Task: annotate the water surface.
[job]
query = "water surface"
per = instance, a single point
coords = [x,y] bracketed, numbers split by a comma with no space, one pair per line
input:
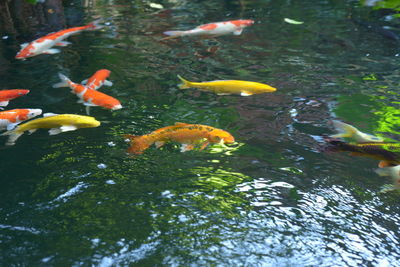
[272,199]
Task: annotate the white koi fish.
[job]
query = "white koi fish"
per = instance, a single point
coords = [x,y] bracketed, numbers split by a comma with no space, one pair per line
[214,29]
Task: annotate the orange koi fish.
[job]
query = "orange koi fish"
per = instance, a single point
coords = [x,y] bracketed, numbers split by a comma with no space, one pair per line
[189,135]
[44,44]
[89,97]
[10,118]
[7,95]
[98,79]
[214,29]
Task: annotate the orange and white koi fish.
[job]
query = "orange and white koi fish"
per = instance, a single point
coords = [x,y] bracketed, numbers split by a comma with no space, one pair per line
[11,118]
[44,44]
[214,29]
[98,79]
[7,95]
[227,87]
[89,97]
[189,135]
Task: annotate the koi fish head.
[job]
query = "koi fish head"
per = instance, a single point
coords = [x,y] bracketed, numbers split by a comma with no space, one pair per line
[27,50]
[33,112]
[217,135]
[243,22]
[86,122]
[103,73]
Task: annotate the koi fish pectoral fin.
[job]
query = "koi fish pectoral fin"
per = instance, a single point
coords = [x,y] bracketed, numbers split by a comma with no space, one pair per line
[68,128]
[32,131]
[238,32]
[3,103]
[187,147]
[51,51]
[108,83]
[204,145]
[159,144]
[84,81]
[55,131]
[86,103]
[244,93]
[63,43]
[11,126]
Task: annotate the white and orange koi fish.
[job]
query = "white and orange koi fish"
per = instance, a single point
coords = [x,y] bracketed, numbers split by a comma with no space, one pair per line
[89,97]
[214,29]
[44,44]
[11,118]
[98,79]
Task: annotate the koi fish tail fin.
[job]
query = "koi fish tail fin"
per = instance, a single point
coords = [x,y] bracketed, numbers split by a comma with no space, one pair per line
[173,34]
[64,81]
[13,136]
[95,25]
[138,144]
[185,83]
[344,129]
[383,171]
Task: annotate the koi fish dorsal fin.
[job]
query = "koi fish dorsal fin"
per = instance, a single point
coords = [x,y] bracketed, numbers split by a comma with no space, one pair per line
[181,124]
[45,115]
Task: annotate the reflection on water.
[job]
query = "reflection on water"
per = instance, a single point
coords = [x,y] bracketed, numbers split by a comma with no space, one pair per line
[271,199]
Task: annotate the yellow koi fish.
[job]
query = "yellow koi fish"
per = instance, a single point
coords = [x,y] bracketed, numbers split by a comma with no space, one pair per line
[56,123]
[227,87]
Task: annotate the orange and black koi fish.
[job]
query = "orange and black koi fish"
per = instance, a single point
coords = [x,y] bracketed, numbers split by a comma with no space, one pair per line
[387,153]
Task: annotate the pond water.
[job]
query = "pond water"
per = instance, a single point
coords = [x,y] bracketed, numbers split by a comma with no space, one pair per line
[271,199]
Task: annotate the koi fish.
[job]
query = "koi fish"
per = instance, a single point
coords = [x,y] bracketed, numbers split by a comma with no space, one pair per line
[394,173]
[7,95]
[189,135]
[98,79]
[346,130]
[56,123]
[214,29]
[11,118]
[44,44]
[387,153]
[227,87]
[89,97]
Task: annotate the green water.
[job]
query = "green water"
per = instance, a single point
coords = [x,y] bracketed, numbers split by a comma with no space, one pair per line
[271,199]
